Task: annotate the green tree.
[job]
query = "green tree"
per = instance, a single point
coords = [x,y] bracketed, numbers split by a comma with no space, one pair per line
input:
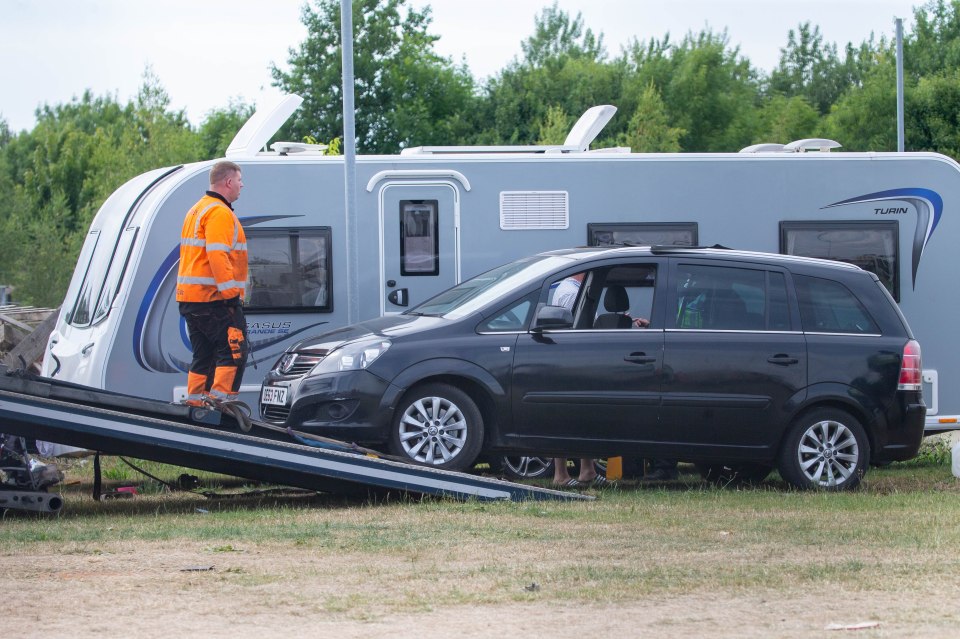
[563,67]
[556,37]
[405,94]
[813,70]
[554,127]
[932,114]
[219,127]
[58,174]
[865,118]
[649,130]
[934,45]
[711,93]
[782,119]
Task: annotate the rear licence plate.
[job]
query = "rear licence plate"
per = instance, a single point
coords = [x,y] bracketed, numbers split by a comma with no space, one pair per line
[274,395]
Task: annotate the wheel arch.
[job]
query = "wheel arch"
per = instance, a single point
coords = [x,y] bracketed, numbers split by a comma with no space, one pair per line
[482,387]
[794,456]
[838,397]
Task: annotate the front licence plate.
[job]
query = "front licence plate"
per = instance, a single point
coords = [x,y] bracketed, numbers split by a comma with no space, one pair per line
[274,395]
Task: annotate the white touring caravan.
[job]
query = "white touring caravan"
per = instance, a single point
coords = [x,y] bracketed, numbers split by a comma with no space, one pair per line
[432,216]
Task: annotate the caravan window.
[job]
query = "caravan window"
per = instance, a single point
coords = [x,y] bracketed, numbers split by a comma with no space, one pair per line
[118,265]
[102,278]
[289,270]
[419,238]
[79,315]
[643,234]
[871,245]
[106,252]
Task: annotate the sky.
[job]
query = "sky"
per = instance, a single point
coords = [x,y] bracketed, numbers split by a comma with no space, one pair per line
[207,52]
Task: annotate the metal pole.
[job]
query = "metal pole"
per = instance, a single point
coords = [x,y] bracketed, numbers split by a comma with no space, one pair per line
[350,163]
[899,22]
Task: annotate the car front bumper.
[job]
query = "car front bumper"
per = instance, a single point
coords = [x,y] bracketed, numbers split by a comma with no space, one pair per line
[346,405]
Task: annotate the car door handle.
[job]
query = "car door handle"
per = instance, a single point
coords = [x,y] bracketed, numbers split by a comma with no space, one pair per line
[639,358]
[783,360]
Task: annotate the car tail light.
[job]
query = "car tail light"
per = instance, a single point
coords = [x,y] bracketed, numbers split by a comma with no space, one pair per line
[911,370]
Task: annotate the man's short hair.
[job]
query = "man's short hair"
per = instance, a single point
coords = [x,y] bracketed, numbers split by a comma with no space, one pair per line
[222,170]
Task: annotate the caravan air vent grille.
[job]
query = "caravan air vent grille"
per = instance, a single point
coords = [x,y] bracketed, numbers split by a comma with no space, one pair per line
[534,210]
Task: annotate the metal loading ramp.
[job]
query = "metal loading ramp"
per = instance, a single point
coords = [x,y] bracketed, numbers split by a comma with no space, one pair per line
[115,424]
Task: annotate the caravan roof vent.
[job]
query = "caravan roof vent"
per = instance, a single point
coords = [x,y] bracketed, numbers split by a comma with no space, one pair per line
[261,126]
[765,147]
[534,210]
[286,148]
[586,129]
[811,144]
[589,125]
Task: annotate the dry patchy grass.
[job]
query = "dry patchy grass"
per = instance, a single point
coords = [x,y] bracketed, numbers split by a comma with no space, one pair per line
[684,560]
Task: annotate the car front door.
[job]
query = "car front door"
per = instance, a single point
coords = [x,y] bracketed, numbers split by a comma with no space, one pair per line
[735,359]
[593,387]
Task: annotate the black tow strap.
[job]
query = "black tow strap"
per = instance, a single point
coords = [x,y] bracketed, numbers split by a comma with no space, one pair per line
[96,476]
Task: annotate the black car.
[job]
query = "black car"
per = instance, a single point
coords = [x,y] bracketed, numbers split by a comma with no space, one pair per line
[747,361]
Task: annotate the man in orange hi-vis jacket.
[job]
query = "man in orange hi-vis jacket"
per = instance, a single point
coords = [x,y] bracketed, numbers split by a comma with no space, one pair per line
[211,284]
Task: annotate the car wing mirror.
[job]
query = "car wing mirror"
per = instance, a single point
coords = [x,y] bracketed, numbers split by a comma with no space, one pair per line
[552,317]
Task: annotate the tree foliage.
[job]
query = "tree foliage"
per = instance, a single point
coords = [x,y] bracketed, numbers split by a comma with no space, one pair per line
[556,38]
[563,67]
[813,70]
[404,91]
[220,126]
[57,175]
[649,130]
[688,95]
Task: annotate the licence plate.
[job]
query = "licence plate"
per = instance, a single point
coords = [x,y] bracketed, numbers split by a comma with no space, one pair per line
[274,395]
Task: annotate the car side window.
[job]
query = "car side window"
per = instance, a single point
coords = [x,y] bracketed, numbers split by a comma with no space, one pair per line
[827,306]
[608,298]
[515,317]
[730,298]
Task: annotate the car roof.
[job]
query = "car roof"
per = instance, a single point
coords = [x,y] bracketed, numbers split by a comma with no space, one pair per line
[593,252]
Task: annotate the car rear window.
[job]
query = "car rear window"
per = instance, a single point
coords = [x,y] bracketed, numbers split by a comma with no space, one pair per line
[827,306]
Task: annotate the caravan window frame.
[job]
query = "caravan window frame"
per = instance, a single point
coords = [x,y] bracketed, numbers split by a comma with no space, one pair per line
[411,258]
[859,226]
[594,228]
[77,286]
[107,251]
[296,275]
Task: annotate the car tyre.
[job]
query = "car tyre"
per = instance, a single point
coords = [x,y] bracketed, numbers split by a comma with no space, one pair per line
[513,467]
[437,425]
[826,448]
[735,474]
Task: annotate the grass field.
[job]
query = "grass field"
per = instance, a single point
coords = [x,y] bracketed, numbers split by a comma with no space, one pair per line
[680,558]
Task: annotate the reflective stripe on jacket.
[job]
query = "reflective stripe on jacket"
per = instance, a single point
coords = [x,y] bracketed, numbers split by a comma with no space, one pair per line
[213,254]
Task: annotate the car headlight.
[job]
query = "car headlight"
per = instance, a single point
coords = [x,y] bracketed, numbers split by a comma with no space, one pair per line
[352,357]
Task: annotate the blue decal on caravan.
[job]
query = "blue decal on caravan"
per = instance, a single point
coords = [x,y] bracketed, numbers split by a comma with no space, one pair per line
[148,328]
[929,206]
[146,342]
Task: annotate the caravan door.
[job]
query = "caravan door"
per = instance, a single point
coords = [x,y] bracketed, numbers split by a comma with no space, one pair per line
[419,243]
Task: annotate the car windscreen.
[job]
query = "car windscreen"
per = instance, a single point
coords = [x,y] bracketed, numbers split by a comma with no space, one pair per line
[467,297]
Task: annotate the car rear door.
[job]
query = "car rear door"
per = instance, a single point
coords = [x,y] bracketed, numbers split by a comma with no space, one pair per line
[735,358]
